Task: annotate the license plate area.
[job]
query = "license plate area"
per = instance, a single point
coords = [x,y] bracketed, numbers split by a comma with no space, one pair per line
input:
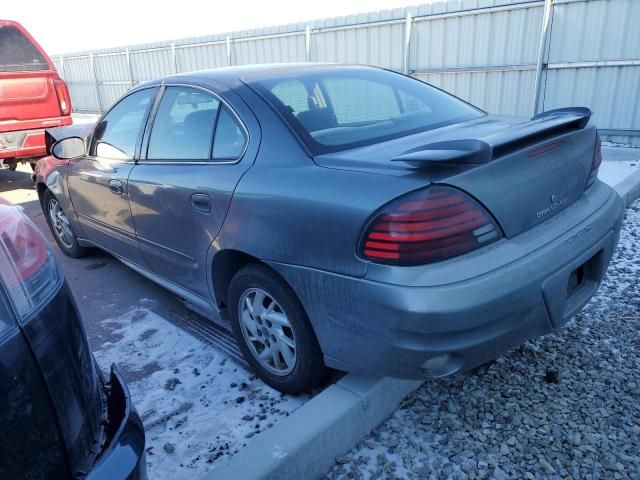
[568,290]
[576,280]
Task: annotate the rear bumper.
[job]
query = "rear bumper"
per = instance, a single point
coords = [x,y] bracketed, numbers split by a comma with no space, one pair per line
[394,329]
[23,144]
[124,455]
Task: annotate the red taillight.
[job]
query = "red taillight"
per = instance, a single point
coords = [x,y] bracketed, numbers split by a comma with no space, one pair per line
[24,246]
[597,161]
[27,268]
[64,100]
[428,226]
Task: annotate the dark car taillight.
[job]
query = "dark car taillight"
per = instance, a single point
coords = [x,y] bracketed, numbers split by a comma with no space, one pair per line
[597,161]
[27,267]
[428,226]
[64,100]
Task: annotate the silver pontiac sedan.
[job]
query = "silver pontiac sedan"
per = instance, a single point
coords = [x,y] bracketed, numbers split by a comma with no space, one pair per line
[342,217]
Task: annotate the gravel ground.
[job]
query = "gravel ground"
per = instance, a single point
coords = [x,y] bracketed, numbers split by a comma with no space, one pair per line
[566,406]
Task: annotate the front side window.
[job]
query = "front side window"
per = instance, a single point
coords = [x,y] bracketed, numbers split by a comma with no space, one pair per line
[184,125]
[349,107]
[17,53]
[116,135]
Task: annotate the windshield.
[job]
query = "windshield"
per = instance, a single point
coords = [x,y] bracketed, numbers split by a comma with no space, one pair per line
[337,108]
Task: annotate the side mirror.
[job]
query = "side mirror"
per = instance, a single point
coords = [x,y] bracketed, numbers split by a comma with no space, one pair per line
[68,148]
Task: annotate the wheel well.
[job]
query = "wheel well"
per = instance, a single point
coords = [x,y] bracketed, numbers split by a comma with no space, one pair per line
[225,265]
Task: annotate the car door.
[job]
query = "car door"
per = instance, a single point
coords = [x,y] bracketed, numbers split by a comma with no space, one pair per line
[97,182]
[193,157]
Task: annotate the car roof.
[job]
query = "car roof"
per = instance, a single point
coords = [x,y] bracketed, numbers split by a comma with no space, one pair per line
[232,75]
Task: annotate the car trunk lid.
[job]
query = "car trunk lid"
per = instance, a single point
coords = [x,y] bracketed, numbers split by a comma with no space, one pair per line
[522,172]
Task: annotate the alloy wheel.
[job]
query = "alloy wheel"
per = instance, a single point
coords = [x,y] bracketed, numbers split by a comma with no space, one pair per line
[267,331]
[60,223]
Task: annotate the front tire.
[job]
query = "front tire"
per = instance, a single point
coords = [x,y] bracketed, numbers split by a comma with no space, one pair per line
[273,331]
[61,227]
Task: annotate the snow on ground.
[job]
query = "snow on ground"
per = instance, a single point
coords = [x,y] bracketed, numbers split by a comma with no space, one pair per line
[612,173]
[618,163]
[562,407]
[197,405]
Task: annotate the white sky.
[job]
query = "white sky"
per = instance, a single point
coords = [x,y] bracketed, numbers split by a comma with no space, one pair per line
[65,26]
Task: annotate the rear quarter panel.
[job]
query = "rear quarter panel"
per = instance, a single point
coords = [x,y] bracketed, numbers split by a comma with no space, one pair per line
[288,209]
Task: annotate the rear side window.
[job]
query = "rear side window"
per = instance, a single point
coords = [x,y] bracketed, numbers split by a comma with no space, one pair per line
[117,133]
[183,125]
[229,140]
[17,53]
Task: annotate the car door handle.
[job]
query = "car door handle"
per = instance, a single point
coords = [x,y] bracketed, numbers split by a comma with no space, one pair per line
[115,186]
[201,202]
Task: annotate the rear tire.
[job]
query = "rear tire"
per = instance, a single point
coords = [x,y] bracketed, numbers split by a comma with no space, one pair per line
[60,227]
[273,331]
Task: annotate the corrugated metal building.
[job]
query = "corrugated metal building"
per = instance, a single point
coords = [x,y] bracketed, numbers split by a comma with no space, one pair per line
[506,56]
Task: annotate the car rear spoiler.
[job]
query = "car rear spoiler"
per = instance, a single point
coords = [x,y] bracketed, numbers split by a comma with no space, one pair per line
[52,135]
[478,151]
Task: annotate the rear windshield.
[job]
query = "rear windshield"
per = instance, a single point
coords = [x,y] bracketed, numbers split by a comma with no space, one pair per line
[17,53]
[337,108]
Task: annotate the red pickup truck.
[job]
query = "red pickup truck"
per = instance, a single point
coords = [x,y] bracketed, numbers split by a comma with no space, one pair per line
[32,96]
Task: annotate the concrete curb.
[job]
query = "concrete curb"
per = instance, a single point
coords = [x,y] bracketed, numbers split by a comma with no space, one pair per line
[629,188]
[329,425]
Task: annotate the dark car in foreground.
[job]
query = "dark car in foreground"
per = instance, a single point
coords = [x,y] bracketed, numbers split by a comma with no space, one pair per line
[32,96]
[342,216]
[60,419]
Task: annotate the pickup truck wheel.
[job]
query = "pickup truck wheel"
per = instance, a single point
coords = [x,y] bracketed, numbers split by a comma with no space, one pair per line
[273,331]
[61,227]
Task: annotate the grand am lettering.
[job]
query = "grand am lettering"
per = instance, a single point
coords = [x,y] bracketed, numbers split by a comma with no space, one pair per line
[554,206]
